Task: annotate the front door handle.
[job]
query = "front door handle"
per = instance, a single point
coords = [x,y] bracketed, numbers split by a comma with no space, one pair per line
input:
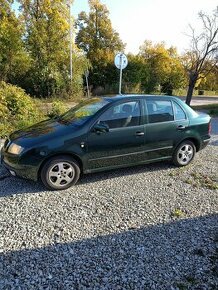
[139,133]
[181,127]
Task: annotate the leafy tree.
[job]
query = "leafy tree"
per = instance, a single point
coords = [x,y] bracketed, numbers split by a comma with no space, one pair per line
[210,81]
[203,54]
[163,67]
[47,40]
[14,61]
[99,41]
[135,74]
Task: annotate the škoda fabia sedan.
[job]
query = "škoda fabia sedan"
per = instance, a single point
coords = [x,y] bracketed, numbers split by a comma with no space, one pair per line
[106,133]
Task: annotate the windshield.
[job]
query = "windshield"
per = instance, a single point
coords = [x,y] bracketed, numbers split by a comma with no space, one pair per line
[83,111]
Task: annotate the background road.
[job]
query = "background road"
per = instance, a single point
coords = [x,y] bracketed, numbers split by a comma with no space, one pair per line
[148,227]
[202,100]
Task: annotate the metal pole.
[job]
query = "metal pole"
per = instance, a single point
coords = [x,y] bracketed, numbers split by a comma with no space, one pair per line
[71,46]
[87,84]
[121,70]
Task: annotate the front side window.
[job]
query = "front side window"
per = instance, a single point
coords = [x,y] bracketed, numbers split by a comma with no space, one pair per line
[159,111]
[178,112]
[122,115]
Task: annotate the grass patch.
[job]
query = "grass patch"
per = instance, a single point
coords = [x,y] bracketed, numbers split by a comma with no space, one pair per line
[202,180]
[206,107]
[212,109]
[213,112]
[178,171]
[177,213]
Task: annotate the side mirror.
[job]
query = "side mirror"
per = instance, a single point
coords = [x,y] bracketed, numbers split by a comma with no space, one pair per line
[101,128]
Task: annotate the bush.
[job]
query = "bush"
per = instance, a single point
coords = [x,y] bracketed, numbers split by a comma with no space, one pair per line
[17,109]
[57,109]
[200,92]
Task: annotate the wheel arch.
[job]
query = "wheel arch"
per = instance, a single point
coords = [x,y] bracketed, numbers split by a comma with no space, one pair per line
[72,155]
[194,140]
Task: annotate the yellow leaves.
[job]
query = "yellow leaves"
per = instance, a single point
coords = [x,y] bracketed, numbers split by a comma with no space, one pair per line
[162,60]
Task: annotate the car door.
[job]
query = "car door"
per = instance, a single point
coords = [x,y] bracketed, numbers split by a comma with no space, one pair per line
[166,126]
[123,143]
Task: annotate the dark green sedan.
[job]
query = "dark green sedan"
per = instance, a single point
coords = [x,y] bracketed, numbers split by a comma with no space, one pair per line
[106,133]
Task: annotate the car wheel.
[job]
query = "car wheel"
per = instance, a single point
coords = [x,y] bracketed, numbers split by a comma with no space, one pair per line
[60,173]
[184,153]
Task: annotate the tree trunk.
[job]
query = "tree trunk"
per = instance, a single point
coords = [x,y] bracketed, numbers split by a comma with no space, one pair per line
[189,93]
[192,81]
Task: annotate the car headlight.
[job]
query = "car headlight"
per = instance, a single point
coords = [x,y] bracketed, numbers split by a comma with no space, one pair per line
[15,149]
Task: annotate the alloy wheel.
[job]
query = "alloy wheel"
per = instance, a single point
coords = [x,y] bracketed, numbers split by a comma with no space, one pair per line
[185,154]
[61,174]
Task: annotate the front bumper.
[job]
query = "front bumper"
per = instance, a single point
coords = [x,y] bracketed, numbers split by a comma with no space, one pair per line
[12,164]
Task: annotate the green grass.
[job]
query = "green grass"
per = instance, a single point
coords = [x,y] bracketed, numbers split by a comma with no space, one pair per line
[197,179]
[206,107]
[211,109]
[177,213]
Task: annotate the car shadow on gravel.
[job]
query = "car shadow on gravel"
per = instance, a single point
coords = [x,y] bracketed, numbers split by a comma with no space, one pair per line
[181,254]
[10,185]
[123,172]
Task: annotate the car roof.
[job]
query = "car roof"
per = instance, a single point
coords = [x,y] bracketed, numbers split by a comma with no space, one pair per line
[130,96]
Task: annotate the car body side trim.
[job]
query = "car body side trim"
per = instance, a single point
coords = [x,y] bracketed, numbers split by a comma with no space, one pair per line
[100,169]
[127,154]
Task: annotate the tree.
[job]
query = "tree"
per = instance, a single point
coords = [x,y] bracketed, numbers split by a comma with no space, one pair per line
[135,74]
[47,40]
[210,81]
[163,67]
[14,60]
[203,54]
[99,41]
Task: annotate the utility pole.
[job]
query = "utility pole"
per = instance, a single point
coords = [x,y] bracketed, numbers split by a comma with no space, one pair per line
[71,44]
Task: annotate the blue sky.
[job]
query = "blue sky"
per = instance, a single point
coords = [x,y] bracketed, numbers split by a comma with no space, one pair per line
[155,20]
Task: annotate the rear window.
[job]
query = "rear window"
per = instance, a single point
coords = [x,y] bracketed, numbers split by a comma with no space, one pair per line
[159,111]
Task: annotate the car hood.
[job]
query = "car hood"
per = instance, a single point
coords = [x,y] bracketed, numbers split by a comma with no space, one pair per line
[41,132]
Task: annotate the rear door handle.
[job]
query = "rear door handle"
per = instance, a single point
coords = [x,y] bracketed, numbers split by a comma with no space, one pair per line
[139,133]
[181,127]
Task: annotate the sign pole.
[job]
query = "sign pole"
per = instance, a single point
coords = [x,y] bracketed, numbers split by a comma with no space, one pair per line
[121,71]
[120,62]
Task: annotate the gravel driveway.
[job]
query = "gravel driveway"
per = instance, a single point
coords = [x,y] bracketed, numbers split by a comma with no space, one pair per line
[147,227]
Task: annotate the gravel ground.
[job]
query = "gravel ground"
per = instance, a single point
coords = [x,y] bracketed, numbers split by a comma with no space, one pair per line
[147,227]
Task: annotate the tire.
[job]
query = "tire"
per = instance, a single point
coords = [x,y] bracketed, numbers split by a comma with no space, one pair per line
[184,153]
[60,173]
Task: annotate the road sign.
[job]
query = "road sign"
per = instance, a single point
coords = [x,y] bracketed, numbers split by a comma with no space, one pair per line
[121,61]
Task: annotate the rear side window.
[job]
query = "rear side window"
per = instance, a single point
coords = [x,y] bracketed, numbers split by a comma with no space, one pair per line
[178,112]
[159,111]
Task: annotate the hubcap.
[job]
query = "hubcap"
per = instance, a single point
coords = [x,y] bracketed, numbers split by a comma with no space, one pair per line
[61,174]
[185,154]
